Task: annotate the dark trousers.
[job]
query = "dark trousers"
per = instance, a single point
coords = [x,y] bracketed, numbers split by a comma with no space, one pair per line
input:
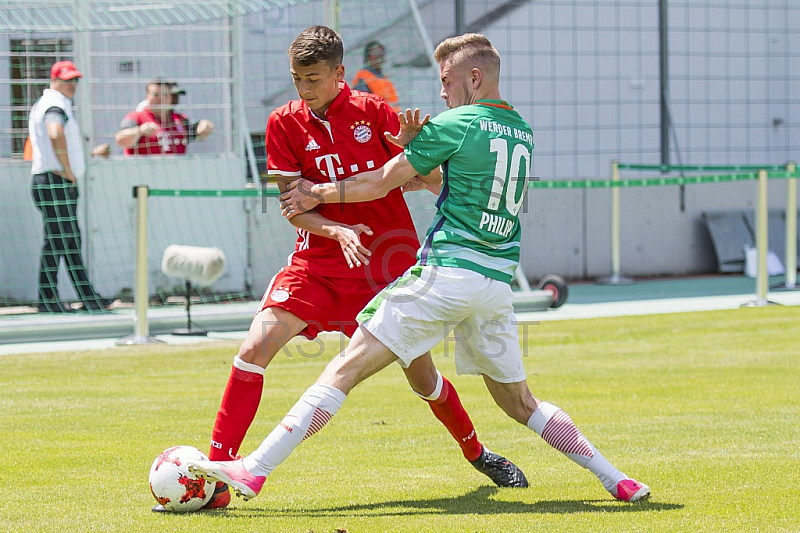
[57,199]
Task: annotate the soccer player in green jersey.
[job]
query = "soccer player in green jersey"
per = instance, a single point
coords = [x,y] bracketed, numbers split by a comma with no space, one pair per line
[461,280]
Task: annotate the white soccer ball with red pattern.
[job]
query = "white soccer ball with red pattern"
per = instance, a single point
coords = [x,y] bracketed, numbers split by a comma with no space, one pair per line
[173,486]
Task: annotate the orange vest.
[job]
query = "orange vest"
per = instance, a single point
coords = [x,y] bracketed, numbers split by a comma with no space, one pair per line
[380,86]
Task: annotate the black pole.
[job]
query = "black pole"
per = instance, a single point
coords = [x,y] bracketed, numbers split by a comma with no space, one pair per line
[461,17]
[663,53]
[666,117]
[188,305]
[189,331]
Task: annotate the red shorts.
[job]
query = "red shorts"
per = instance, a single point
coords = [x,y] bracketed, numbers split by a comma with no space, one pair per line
[325,304]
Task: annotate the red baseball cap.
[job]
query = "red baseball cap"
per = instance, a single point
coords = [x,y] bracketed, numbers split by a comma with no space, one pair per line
[64,70]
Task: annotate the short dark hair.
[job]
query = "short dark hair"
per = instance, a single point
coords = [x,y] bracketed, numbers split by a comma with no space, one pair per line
[371,45]
[315,44]
[159,82]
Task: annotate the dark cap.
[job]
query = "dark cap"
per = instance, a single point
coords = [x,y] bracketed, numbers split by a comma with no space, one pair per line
[172,85]
[160,81]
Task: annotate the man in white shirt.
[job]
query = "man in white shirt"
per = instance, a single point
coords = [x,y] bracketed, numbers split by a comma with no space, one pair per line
[58,164]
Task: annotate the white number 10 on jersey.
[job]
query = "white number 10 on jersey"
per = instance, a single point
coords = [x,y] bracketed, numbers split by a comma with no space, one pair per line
[520,159]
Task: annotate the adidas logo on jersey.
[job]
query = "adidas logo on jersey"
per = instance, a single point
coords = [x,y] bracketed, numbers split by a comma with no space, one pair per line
[312,146]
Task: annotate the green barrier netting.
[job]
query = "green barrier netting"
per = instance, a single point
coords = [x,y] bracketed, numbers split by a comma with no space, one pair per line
[641,182]
[546,184]
[218,193]
[658,181]
[700,168]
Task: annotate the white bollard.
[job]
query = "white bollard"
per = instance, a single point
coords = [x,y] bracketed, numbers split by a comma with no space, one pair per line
[762,242]
[791,229]
[616,277]
[141,330]
[762,239]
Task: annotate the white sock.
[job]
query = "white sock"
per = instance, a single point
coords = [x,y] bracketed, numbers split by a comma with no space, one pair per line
[437,391]
[241,364]
[559,431]
[317,405]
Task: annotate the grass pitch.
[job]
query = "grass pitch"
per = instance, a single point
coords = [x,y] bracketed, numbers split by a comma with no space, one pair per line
[703,407]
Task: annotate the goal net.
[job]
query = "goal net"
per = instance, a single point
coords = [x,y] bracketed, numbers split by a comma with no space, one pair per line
[227,61]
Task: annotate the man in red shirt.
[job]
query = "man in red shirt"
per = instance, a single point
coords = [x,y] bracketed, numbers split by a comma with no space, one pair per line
[330,134]
[157,128]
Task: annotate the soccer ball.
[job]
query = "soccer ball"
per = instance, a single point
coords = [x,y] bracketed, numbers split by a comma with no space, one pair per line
[173,486]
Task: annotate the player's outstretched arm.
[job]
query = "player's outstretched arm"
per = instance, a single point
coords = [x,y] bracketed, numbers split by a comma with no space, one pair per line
[129,137]
[301,195]
[347,235]
[432,182]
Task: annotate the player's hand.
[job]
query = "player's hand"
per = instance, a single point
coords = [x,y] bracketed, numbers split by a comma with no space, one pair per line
[69,176]
[205,128]
[410,126]
[148,129]
[101,150]
[349,239]
[297,198]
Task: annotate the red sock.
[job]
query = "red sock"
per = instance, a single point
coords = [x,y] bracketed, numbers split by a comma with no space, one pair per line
[236,413]
[451,413]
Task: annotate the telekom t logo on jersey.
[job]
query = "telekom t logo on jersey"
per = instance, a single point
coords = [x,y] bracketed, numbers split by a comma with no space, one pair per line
[329,166]
[330,169]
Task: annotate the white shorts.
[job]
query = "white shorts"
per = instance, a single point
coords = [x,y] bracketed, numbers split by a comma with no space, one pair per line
[416,312]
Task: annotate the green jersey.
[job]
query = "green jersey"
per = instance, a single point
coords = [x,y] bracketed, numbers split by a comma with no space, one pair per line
[485,152]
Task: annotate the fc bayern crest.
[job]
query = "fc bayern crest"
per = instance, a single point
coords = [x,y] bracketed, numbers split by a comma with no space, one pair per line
[362,133]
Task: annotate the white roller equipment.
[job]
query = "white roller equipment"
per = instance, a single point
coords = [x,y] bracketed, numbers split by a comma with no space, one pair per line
[198,266]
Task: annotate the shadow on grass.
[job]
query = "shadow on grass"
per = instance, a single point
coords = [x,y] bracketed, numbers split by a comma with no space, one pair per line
[476,502]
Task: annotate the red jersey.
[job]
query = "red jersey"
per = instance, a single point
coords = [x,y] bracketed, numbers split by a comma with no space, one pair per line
[171,137]
[348,140]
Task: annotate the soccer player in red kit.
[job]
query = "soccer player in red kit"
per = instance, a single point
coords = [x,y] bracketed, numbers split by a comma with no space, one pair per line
[158,128]
[332,133]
